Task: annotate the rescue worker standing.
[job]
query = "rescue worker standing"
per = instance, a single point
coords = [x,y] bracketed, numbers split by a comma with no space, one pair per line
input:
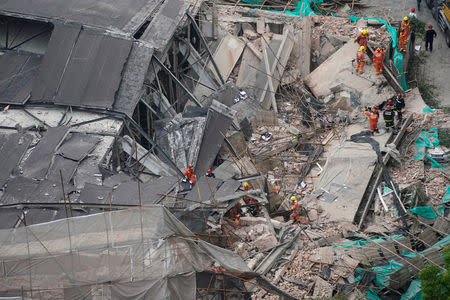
[373,119]
[388,117]
[362,38]
[399,104]
[378,57]
[429,37]
[295,214]
[405,26]
[189,174]
[402,41]
[360,60]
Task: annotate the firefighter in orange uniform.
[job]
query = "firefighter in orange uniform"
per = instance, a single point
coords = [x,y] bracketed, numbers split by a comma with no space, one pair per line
[189,174]
[378,56]
[402,41]
[295,215]
[373,119]
[405,26]
[360,60]
[362,38]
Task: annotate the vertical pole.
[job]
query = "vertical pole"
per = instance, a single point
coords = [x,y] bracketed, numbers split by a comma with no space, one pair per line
[171,93]
[7,34]
[215,20]
[137,175]
[64,193]
[175,72]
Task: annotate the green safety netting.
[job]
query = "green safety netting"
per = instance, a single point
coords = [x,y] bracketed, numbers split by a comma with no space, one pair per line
[447,194]
[414,291]
[303,8]
[372,295]
[428,140]
[382,273]
[408,254]
[358,243]
[428,109]
[424,211]
[442,243]
[398,57]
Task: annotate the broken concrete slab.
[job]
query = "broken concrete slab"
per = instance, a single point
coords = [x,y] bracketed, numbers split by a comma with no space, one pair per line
[218,121]
[226,56]
[322,289]
[336,69]
[247,73]
[248,31]
[264,118]
[149,160]
[414,102]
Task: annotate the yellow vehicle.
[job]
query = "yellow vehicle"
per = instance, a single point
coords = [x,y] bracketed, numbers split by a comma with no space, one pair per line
[441,12]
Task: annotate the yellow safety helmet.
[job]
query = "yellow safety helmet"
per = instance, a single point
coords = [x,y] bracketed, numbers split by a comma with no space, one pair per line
[362,48]
[246,184]
[364,31]
[405,18]
[293,198]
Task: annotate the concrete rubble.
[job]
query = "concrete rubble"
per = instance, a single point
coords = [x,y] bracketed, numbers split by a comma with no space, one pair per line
[270,104]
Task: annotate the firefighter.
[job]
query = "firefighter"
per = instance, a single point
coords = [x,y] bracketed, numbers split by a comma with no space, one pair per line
[405,26]
[253,209]
[235,212]
[360,59]
[362,38]
[189,174]
[373,119]
[295,214]
[402,41]
[378,57]
[210,174]
[388,116]
[399,104]
[412,14]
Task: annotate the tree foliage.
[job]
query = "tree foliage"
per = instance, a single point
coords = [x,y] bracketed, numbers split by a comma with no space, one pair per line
[435,282]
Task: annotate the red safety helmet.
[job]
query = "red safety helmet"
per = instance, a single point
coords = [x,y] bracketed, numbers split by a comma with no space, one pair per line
[413,9]
[399,95]
[390,101]
[430,26]
[189,165]
[209,171]
[388,107]
[375,106]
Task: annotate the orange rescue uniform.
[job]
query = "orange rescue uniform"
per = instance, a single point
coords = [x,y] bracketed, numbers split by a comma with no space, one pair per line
[405,27]
[373,120]
[295,215]
[189,174]
[378,60]
[403,39]
[360,59]
[362,39]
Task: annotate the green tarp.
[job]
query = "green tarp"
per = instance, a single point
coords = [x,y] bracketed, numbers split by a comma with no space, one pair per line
[424,211]
[414,291]
[382,273]
[428,140]
[447,194]
[303,8]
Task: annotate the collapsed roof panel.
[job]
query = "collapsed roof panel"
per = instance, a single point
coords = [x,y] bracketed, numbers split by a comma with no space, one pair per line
[78,146]
[53,66]
[164,24]
[12,148]
[16,75]
[115,15]
[218,121]
[93,71]
[37,164]
[133,77]
[21,190]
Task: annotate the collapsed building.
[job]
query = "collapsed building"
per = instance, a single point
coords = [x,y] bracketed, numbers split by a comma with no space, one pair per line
[105,104]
